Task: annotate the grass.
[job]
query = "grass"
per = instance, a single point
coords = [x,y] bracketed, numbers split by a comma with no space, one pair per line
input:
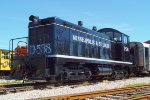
[7,82]
[10,82]
[136,95]
[138,84]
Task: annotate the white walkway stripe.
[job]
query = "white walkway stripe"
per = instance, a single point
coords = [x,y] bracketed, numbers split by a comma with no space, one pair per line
[86,58]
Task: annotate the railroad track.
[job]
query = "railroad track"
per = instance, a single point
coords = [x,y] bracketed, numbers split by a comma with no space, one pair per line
[13,88]
[4,77]
[135,93]
[129,93]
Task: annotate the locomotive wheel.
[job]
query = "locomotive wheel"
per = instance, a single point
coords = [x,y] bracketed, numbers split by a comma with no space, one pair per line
[114,75]
[88,75]
[117,76]
[126,74]
[62,77]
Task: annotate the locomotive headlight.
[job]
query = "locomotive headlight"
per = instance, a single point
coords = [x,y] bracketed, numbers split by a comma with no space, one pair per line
[34,19]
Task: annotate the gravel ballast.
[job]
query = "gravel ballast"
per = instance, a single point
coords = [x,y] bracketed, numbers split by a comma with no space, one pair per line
[69,90]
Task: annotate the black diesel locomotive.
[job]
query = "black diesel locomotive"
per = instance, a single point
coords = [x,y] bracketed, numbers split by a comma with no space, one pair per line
[61,51]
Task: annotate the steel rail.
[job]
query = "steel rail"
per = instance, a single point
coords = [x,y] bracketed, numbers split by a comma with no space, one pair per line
[80,96]
[147,97]
[4,89]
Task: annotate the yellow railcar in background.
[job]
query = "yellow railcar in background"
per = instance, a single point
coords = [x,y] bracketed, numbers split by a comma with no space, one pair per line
[4,62]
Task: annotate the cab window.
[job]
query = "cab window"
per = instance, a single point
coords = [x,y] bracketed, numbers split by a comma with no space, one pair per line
[5,55]
[2,55]
[117,37]
[110,34]
[125,39]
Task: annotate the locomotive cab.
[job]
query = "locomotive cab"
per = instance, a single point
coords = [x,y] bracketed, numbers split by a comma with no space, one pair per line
[120,45]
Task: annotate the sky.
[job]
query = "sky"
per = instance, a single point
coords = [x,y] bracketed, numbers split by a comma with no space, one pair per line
[131,17]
